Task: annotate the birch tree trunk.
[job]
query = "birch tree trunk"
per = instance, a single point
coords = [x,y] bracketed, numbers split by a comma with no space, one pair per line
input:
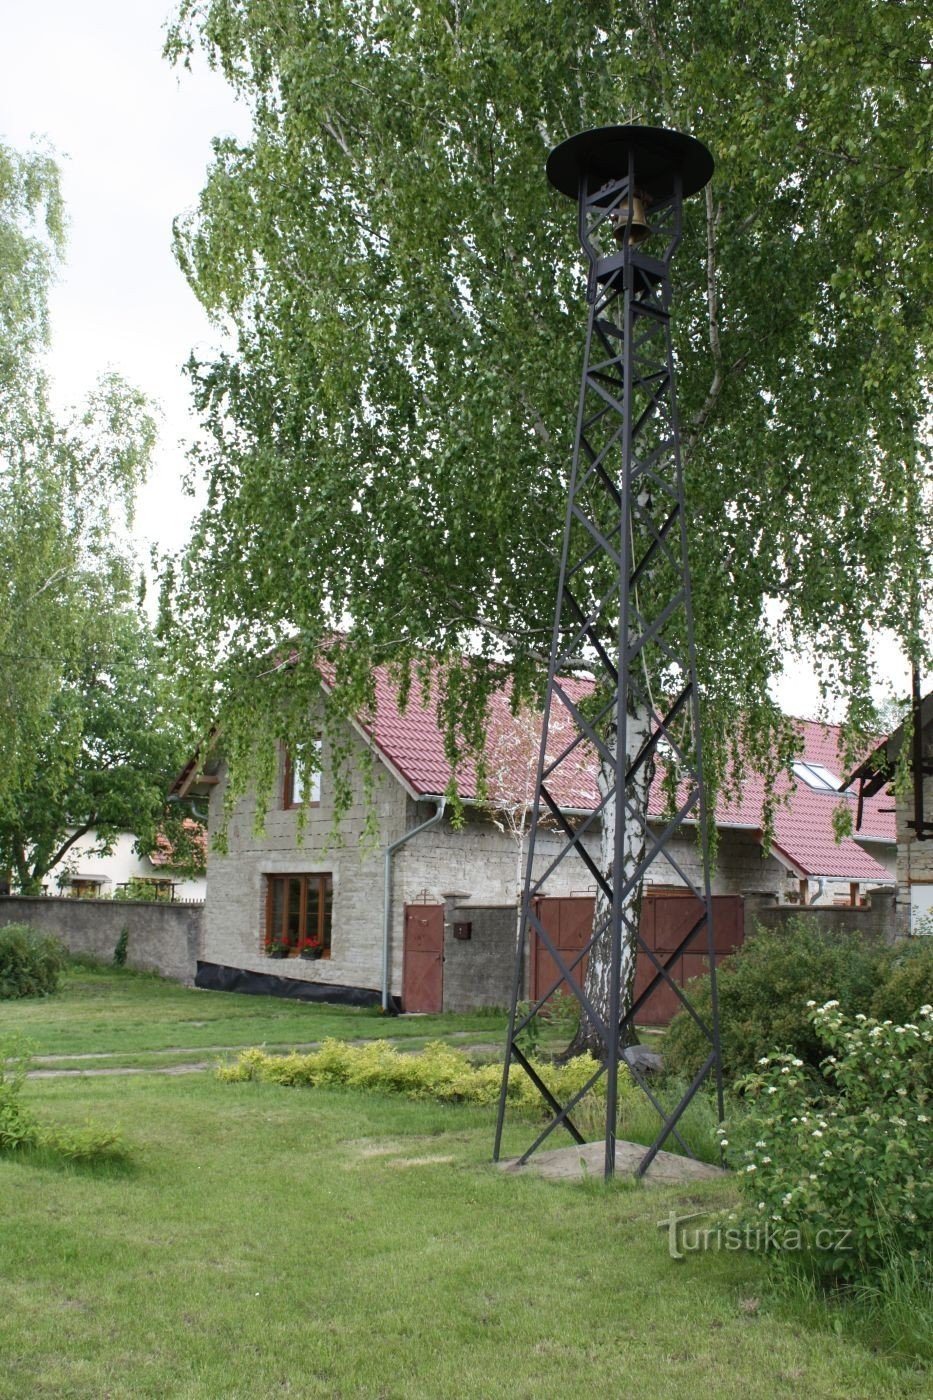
[598,980]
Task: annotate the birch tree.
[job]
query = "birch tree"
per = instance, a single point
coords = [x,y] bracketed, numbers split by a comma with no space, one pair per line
[390,432]
[88,734]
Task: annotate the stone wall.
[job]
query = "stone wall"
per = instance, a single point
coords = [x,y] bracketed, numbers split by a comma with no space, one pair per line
[163,938]
[877,919]
[483,864]
[478,971]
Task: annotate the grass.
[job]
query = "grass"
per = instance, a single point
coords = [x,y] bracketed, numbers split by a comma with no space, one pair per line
[101,1009]
[637,1120]
[265,1241]
[271,1241]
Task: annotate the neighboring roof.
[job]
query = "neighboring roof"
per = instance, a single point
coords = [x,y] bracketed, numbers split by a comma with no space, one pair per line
[803,830]
[164,853]
[201,767]
[877,769]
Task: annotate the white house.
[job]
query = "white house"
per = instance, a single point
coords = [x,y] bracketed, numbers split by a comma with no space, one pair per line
[88,876]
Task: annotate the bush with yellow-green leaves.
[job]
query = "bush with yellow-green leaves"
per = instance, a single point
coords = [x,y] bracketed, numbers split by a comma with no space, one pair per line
[436,1072]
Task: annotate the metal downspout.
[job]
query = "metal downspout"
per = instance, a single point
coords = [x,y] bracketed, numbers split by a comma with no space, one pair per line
[387,893]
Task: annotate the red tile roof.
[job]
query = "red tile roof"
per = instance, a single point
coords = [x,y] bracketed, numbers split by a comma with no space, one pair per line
[164,853]
[412,743]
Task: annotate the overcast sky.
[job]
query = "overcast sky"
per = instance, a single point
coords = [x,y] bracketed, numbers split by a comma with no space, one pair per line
[133,138]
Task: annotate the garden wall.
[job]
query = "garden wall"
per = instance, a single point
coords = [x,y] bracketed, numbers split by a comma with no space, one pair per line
[163,938]
[478,971]
[877,918]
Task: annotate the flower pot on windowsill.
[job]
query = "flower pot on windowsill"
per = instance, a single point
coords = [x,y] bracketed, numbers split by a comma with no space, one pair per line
[277,951]
[312,953]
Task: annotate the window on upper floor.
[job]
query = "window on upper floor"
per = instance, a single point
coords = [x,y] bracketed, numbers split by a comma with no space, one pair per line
[299,911]
[300,787]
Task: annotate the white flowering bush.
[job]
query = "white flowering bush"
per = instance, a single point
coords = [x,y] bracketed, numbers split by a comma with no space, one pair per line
[845,1176]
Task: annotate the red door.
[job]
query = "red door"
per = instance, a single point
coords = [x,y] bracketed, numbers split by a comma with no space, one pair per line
[423,967]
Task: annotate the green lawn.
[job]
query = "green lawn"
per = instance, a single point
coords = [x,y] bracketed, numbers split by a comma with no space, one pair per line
[267,1241]
[102,1010]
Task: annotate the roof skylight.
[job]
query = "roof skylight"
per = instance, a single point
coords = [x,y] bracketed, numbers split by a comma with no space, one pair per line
[817,776]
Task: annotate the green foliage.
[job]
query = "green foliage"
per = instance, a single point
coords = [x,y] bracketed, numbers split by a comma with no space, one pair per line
[88,740]
[529,1039]
[18,1127]
[122,945]
[908,981]
[22,1132]
[407,297]
[138,890]
[87,1144]
[562,1015]
[853,1165]
[897,1299]
[437,1072]
[30,963]
[764,989]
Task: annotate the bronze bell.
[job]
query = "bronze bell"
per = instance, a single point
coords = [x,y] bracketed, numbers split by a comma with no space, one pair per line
[639,230]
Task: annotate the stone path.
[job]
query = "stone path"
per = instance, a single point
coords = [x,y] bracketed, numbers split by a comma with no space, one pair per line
[195,1067]
[119,1069]
[269,1045]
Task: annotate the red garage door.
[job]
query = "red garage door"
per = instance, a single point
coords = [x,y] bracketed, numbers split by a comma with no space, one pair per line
[665,919]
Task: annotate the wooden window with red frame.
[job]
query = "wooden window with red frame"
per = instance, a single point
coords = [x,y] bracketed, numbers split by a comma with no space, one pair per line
[299,911]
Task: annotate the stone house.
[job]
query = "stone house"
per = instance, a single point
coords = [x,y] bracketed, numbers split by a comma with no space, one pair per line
[436,901]
[913,810]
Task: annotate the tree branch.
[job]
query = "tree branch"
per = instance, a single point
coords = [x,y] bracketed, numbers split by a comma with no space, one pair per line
[700,419]
[332,130]
[52,579]
[65,848]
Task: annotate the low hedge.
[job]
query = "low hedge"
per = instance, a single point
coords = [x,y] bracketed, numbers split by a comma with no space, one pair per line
[31,963]
[436,1072]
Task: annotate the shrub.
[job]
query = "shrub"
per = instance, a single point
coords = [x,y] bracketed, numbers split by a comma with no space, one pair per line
[763,993]
[18,1127]
[30,963]
[122,947]
[843,1174]
[908,982]
[21,1131]
[436,1072]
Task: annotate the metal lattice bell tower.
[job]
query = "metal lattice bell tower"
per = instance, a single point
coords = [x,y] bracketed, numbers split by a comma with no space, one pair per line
[622,686]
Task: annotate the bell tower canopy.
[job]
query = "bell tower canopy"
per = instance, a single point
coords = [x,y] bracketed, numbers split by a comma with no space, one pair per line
[659,156]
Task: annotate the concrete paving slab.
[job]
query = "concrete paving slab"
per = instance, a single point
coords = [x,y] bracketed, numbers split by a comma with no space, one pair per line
[573,1163]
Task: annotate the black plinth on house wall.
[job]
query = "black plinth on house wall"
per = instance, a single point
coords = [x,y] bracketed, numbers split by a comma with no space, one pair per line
[623,620]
